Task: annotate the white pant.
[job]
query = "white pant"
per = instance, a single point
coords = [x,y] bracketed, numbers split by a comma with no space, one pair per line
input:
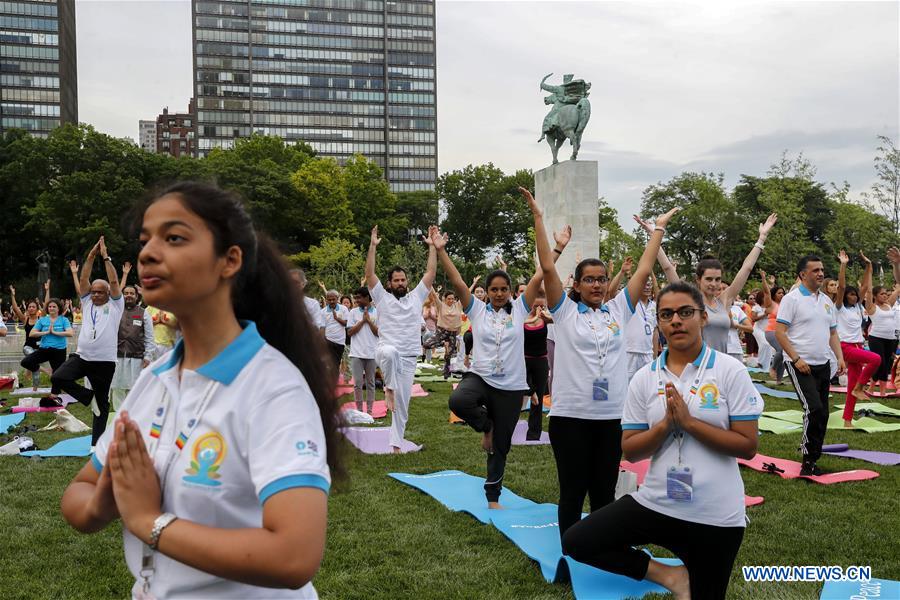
[636,361]
[765,352]
[398,372]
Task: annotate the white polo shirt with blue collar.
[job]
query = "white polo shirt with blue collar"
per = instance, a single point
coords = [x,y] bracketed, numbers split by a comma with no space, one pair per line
[498,343]
[590,369]
[260,434]
[724,394]
[810,318]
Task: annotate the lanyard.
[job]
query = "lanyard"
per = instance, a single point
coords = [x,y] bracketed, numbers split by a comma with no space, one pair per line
[160,416]
[648,331]
[94,314]
[499,327]
[661,390]
[602,354]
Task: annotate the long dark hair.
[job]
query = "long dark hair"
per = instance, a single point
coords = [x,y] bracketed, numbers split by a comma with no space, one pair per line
[264,292]
[851,289]
[683,287]
[707,262]
[579,271]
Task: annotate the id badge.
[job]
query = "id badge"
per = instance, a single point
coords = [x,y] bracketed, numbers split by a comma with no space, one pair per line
[497,369]
[647,330]
[601,389]
[680,483]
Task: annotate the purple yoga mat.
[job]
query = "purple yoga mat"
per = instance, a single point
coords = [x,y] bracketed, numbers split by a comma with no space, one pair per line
[376,440]
[878,458]
[518,437]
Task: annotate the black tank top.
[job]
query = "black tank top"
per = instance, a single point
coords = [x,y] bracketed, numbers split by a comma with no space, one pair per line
[30,341]
[536,340]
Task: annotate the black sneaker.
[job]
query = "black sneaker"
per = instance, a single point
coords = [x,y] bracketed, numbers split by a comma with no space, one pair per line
[51,402]
[809,469]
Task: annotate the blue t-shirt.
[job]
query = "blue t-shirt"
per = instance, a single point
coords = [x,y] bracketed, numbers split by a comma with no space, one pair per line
[50,340]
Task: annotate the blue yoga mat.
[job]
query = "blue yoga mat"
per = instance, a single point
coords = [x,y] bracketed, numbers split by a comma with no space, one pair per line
[7,422]
[461,492]
[533,528]
[851,590]
[775,393]
[80,446]
[756,370]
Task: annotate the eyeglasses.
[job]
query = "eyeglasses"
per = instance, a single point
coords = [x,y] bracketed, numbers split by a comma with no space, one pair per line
[592,280]
[685,312]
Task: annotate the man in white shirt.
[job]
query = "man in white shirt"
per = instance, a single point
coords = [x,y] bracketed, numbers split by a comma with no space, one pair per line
[335,316]
[101,307]
[807,331]
[312,306]
[399,327]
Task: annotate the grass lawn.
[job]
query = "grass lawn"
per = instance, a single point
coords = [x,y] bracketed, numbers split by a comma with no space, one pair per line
[387,540]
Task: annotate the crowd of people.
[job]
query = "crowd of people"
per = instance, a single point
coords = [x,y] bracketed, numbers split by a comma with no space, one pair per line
[219,348]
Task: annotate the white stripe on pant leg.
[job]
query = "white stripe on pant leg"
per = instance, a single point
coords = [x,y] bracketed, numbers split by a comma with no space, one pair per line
[793,375]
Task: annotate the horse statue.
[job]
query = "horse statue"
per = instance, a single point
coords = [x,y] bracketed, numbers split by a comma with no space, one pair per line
[569,115]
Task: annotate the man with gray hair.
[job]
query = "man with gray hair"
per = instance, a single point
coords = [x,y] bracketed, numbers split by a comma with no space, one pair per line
[102,306]
[335,315]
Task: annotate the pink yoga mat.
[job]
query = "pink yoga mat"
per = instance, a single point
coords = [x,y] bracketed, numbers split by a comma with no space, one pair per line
[379,408]
[792,470]
[641,467]
[518,437]
[376,440]
[33,409]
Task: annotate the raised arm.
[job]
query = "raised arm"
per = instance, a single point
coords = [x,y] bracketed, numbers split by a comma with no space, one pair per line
[744,273]
[73,267]
[115,289]
[893,255]
[474,283]
[126,269]
[371,277]
[46,295]
[439,246]
[865,287]
[15,305]
[431,265]
[667,266]
[645,265]
[84,282]
[552,284]
[624,271]
[842,278]
[767,293]
[562,239]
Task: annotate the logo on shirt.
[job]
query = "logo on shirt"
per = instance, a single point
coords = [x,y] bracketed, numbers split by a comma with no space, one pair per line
[709,397]
[307,448]
[828,308]
[614,327]
[207,455]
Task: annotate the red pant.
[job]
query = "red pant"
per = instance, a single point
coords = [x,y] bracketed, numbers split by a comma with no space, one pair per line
[860,366]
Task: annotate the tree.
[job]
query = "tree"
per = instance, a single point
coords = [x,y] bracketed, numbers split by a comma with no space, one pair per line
[709,222]
[335,262]
[416,211]
[615,242]
[323,207]
[885,193]
[371,201]
[856,228]
[485,212]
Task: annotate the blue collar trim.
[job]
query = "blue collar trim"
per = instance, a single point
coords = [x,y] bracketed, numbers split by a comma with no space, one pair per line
[696,362]
[226,366]
[804,290]
[583,308]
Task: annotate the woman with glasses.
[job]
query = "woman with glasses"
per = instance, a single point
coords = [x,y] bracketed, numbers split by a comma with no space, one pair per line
[693,412]
[590,376]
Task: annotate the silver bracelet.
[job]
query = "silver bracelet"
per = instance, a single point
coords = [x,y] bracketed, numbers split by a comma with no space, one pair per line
[161,522]
[759,245]
[659,228]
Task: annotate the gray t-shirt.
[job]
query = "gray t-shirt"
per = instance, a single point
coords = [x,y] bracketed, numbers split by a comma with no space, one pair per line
[718,323]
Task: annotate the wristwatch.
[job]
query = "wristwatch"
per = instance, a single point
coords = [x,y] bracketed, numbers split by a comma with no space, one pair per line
[109,258]
[161,522]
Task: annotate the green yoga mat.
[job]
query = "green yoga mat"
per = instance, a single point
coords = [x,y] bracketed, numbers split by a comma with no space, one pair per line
[876,407]
[435,379]
[836,421]
[777,426]
[867,424]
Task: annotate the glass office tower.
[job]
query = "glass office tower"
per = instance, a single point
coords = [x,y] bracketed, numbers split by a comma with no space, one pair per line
[38,73]
[345,76]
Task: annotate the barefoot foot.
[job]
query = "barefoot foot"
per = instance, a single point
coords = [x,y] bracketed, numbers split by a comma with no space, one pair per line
[858,393]
[495,506]
[848,424]
[389,399]
[396,449]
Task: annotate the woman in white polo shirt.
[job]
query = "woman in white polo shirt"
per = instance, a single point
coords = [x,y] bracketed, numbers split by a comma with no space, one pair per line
[220,462]
[883,332]
[692,412]
[489,398]
[590,376]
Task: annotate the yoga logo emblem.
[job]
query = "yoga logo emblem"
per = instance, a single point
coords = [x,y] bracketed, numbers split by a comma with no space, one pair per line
[709,396]
[206,457]
[614,327]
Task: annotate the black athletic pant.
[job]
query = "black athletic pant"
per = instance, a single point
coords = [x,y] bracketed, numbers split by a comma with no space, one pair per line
[885,349]
[813,392]
[605,539]
[337,353]
[587,454]
[468,341]
[55,356]
[100,374]
[485,408]
[537,371]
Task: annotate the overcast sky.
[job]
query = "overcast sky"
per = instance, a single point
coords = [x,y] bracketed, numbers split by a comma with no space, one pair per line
[714,86]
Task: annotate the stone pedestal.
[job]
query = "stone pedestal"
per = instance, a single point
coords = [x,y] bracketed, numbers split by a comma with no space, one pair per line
[568,192]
